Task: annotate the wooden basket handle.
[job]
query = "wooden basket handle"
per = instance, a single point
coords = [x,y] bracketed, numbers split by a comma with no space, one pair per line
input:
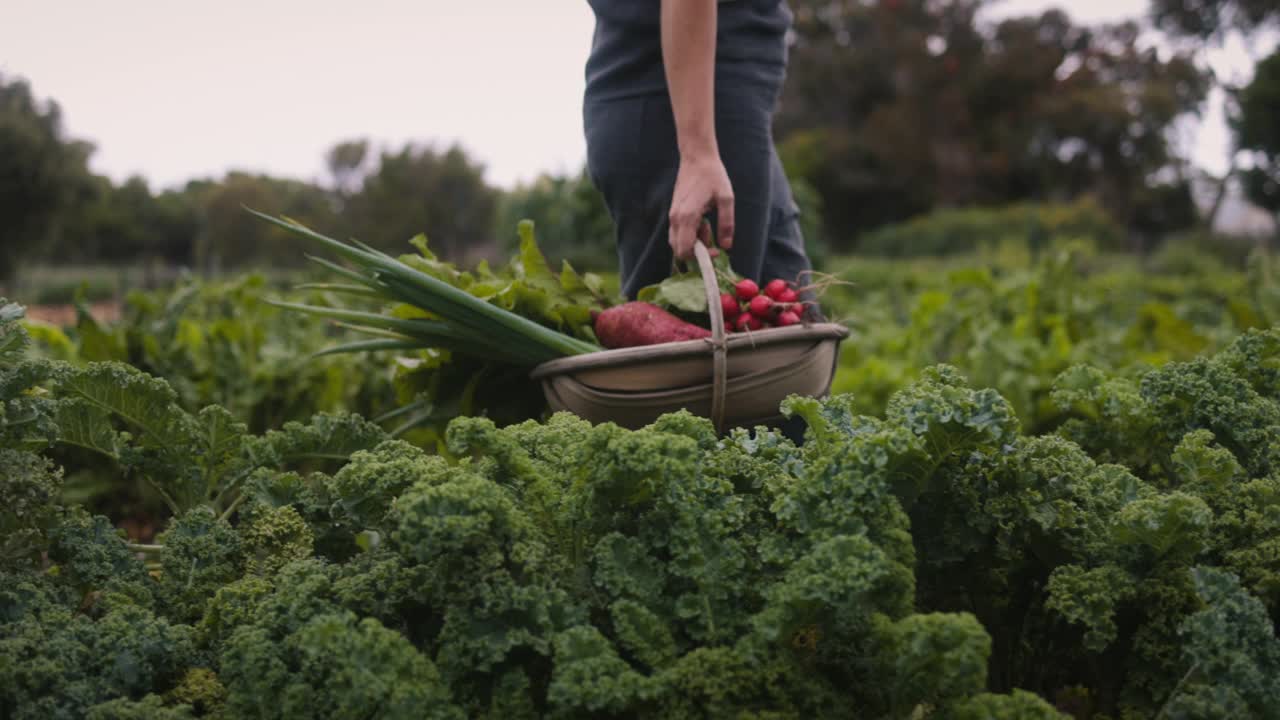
[718,349]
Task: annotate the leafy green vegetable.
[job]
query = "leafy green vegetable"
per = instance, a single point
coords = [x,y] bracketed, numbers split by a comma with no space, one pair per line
[462,320]
[685,291]
[935,561]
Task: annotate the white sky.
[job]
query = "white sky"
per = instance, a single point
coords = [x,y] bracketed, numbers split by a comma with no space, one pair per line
[177,90]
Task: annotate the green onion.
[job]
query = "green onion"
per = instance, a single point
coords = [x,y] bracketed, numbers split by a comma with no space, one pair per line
[369,346]
[432,332]
[345,288]
[469,320]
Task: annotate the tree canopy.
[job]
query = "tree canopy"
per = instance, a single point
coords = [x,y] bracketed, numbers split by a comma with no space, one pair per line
[1258,132]
[1213,19]
[893,107]
[43,173]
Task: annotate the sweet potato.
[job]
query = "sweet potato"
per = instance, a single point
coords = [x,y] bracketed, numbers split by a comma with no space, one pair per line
[641,323]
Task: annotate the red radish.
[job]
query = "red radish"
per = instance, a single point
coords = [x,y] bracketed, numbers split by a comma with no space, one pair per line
[729,306]
[761,306]
[775,288]
[747,321]
[787,318]
[640,323]
[746,289]
[787,296]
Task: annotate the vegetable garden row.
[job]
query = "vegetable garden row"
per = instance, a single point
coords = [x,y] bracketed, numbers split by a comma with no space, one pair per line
[1048,487]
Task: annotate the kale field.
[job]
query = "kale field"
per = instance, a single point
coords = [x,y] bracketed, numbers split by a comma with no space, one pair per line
[1045,485]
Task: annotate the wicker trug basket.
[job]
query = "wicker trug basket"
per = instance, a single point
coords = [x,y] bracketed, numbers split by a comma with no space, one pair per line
[736,381]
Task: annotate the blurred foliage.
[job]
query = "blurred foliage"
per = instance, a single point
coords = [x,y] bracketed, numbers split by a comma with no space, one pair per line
[1008,318]
[222,343]
[1191,251]
[1258,132]
[1213,19]
[89,284]
[1013,322]
[215,343]
[960,231]
[421,189]
[902,106]
[572,220]
[893,109]
[43,173]
[811,227]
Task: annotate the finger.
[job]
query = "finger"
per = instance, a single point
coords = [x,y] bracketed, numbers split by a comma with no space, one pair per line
[680,236]
[724,211]
[704,237]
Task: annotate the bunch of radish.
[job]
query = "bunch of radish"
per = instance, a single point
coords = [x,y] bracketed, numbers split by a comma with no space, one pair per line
[747,308]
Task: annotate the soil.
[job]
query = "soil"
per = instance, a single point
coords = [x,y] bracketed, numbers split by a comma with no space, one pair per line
[65,315]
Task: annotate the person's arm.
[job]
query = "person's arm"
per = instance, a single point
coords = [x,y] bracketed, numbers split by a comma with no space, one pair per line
[688,55]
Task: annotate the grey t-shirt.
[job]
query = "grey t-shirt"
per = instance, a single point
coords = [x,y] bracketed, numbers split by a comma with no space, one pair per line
[626,50]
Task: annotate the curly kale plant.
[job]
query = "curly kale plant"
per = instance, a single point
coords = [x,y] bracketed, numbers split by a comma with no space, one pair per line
[934,563]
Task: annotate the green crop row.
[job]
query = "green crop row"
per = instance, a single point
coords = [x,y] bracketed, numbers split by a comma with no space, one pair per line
[939,559]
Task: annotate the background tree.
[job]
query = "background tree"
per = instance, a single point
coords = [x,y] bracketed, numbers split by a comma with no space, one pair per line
[1199,24]
[1108,120]
[110,223]
[1257,131]
[570,219]
[1212,20]
[858,113]
[230,237]
[43,173]
[422,190]
[346,163]
[895,107]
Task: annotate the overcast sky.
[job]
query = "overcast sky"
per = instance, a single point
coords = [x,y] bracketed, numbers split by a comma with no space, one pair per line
[177,90]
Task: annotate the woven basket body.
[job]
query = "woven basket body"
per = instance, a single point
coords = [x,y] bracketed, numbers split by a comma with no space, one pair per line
[633,389]
[736,381]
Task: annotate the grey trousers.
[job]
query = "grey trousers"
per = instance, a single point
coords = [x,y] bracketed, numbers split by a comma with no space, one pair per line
[632,158]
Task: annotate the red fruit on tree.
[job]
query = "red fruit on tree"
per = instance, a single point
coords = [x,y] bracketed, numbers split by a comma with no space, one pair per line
[746,289]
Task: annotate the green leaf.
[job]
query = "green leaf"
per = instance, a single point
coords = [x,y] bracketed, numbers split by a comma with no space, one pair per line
[532,264]
[1174,527]
[643,633]
[328,437]
[220,440]
[1232,648]
[1091,598]
[10,312]
[13,338]
[682,292]
[419,241]
[87,426]
[147,404]
[570,280]
[370,346]
[97,344]
[1200,465]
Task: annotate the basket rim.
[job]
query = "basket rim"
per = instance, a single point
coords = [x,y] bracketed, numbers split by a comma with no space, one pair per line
[744,342]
